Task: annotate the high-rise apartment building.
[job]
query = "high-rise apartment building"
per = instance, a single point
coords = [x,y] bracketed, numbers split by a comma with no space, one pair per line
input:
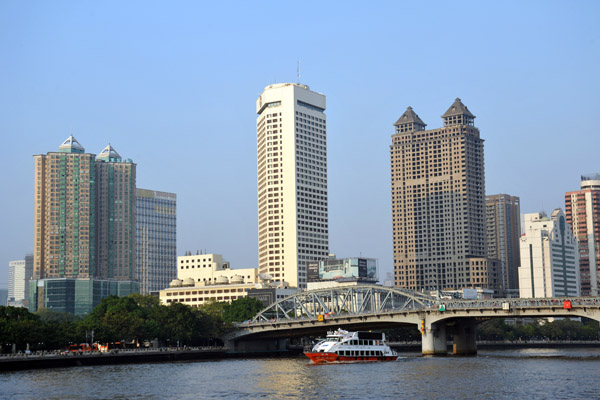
[438,201]
[549,257]
[503,217]
[292,181]
[65,213]
[156,231]
[582,209]
[116,207]
[19,275]
[84,228]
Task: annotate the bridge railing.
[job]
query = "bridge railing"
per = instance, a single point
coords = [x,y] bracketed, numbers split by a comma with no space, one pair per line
[555,302]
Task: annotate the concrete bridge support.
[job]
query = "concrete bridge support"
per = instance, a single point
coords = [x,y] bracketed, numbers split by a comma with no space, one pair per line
[465,343]
[433,341]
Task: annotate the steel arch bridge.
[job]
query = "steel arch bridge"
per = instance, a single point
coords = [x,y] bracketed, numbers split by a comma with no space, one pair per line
[343,301]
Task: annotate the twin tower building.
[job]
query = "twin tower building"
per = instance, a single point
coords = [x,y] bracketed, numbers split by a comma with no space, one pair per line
[95,233]
[438,193]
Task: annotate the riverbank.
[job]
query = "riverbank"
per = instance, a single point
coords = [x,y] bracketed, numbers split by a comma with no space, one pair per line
[57,360]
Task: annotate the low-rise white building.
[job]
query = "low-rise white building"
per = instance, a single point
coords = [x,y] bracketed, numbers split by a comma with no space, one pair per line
[196,295]
[334,283]
[549,257]
[211,268]
[203,278]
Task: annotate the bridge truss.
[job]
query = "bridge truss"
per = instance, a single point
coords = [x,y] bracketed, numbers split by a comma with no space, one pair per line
[346,300]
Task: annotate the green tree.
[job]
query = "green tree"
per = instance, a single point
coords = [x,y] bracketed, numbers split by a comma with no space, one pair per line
[115,319]
[493,329]
[241,309]
[19,326]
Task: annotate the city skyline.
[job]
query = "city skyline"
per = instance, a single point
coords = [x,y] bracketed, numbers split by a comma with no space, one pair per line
[176,94]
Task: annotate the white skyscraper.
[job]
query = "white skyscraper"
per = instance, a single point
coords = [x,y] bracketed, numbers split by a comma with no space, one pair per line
[549,257]
[292,181]
[19,274]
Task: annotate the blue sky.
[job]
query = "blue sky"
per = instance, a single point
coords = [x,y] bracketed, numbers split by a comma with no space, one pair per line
[173,85]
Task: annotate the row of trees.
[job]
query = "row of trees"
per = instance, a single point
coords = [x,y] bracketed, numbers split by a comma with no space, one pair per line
[561,329]
[134,318]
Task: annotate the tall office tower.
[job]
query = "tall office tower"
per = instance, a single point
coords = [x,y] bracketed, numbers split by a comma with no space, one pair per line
[65,213]
[438,200]
[503,214]
[582,208]
[19,275]
[293,224]
[549,262]
[156,239]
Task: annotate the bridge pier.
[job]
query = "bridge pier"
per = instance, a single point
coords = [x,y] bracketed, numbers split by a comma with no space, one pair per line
[433,340]
[465,343]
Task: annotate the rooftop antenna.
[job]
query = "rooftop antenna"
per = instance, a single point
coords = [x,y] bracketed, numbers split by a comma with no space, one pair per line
[298,71]
[544,211]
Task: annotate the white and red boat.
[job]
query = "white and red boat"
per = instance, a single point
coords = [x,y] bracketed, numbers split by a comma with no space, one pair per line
[341,345]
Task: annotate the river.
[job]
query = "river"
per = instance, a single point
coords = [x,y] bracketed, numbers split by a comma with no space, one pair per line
[494,374]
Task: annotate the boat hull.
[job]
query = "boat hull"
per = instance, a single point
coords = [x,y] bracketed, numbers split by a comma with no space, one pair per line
[319,358]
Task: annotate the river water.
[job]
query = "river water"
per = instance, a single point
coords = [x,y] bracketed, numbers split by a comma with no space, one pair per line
[497,374]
